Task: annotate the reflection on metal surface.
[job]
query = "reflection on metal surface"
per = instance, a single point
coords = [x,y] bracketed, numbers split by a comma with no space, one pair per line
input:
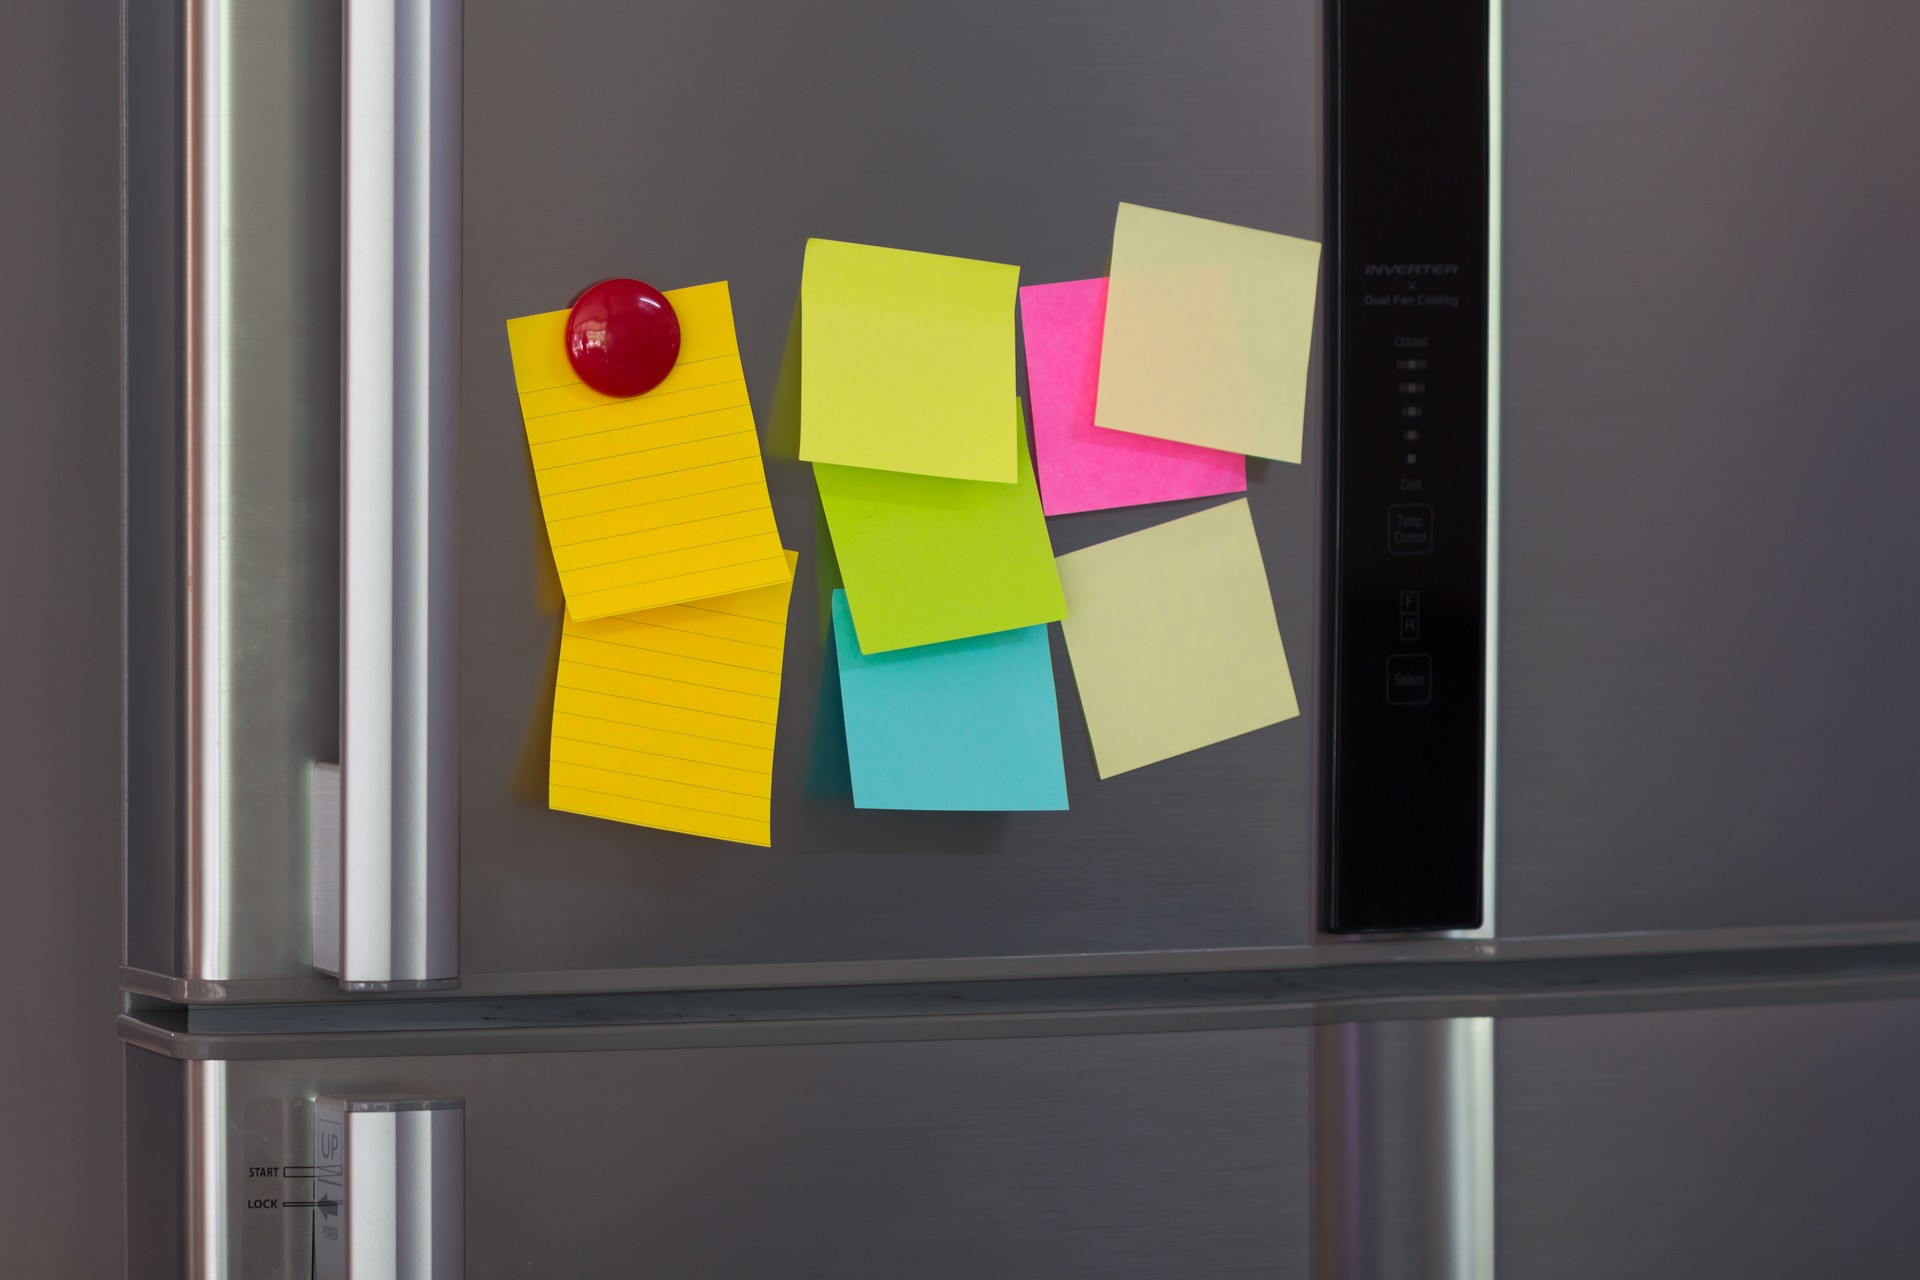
[389,1189]
[270,1183]
[398,892]
[1403,1150]
[1085,1157]
[206,1171]
[259,487]
[1469,1211]
[1490,772]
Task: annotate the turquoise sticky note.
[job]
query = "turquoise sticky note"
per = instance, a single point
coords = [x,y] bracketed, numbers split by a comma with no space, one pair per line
[964,724]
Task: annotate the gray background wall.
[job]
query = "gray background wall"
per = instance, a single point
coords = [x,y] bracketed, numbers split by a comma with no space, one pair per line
[60,1198]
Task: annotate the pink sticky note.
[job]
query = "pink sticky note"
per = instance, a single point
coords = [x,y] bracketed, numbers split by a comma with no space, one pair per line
[1083,467]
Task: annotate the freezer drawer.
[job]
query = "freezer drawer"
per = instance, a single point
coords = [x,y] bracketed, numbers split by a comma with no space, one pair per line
[1097,1156]
[1657,1116]
[1759,1143]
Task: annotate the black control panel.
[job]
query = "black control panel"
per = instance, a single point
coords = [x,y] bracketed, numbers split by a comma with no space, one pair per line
[1408,187]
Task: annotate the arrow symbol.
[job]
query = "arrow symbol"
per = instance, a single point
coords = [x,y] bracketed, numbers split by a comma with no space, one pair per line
[327,1205]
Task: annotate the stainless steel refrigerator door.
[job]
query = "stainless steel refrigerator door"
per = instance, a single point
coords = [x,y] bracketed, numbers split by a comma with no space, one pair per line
[1006,131]
[681,144]
[1707,601]
[1762,1143]
[1701,724]
[1051,1157]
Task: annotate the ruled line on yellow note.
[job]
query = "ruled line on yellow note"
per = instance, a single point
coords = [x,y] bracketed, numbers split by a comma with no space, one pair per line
[666,718]
[656,499]
[682,363]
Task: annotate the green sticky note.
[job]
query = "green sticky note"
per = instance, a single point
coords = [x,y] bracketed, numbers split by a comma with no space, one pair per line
[908,361]
[1173,639]
[927,559]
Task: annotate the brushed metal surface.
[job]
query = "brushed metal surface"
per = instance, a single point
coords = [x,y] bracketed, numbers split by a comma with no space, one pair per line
[60,636]
[1403,1150]
[395,1170]
[214,1225]
[1001,130]
[259,456]
[1108,1157]
[273,1132]
[1707,606]
[1763,1144]
[155,1099]
[1008,131]
[399,851]
[151,304]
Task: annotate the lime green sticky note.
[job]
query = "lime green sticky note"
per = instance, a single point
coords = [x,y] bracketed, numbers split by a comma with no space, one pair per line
[908,361]
[1173,639]
[927,559]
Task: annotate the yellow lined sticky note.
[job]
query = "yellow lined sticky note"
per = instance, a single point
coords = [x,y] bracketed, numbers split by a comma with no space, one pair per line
[653,499]
[666,718]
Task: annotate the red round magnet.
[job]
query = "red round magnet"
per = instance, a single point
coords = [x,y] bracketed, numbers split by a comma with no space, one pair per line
[623,337]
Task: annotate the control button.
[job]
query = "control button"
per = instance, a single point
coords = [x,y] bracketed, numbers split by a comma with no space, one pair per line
[1409,679]
[1409,626]
[623,337]
[1410,529]
[1409,602]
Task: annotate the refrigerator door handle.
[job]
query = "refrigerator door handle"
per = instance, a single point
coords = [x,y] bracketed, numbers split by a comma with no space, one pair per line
[389,1187]
[386,878]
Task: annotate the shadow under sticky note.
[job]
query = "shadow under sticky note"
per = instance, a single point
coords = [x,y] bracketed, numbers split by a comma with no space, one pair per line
[1173,639]
[1207,334]
[783,414]
[666,718]
[927,559]
[654,499]
[1083,467]
[967,725]
[828,777]
[908,361]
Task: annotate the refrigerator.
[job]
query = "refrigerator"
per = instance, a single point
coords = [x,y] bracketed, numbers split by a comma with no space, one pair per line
[1575,933]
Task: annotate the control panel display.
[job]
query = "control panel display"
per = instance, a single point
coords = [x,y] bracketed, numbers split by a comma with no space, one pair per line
[1409,182]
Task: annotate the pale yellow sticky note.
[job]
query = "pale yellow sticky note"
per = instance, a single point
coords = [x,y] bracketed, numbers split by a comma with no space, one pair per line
[1173,639]
[666,718]
[1207,333]
[654,499]
[907,360]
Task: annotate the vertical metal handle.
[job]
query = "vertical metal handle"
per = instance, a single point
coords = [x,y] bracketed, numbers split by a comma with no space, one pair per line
[1403,1151]
[389,1188]
[398,855]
